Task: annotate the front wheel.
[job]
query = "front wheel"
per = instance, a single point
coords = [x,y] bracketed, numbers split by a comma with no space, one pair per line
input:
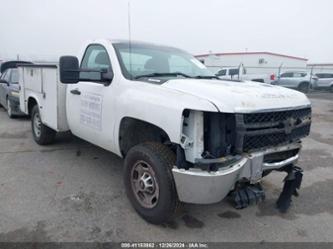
[9,109]
[42,134]
[149,182]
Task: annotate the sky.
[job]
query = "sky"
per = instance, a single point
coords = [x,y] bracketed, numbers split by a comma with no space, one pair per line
[45,29]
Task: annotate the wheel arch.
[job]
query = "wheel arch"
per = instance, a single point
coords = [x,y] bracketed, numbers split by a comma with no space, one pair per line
[133,131]
[32,101]
[304,82]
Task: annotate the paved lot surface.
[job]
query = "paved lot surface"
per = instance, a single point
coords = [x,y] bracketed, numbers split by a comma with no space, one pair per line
[73,191]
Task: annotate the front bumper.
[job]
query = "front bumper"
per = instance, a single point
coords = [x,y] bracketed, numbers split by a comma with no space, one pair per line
[202,187]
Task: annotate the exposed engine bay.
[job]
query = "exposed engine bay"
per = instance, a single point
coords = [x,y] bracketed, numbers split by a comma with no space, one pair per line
[269,141]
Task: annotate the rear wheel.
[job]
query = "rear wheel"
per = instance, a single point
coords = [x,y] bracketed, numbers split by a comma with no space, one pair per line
[149,182]
[42,134]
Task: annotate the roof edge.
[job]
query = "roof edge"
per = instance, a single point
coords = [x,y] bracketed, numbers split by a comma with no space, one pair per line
[254,53]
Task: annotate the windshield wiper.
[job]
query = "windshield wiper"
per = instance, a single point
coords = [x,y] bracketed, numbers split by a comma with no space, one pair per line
[206,77]
[162,74]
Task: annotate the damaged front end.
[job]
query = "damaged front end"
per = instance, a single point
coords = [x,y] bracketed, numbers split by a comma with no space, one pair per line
[224,153]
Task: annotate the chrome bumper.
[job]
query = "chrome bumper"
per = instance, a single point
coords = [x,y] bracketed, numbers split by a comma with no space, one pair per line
[203,187]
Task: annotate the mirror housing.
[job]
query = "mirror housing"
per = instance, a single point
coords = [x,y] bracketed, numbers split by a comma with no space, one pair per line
[69,70]
[107,77]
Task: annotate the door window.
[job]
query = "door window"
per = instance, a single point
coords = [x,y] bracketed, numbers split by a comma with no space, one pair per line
[14,78]
[233,71]
[287,75]
[299,75]
[6,75]
[222,72]
[95,58]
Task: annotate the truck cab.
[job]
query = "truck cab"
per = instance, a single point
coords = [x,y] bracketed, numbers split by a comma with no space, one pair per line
[185,135]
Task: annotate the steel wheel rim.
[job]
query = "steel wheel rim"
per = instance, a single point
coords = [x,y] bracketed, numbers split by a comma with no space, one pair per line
[37,124]
[9,108]
[144,184]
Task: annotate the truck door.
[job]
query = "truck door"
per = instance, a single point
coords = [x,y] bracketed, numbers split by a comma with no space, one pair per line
[86,100]
[325,80]
[286,79]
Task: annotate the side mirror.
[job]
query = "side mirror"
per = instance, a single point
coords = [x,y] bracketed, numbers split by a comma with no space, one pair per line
[71,73]
[69,70]
[107,77]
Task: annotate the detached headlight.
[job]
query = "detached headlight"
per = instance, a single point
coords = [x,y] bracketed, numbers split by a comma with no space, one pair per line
[15,94]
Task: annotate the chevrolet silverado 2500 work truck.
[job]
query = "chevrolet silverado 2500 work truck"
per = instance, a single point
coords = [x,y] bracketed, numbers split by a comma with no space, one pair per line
[186,135]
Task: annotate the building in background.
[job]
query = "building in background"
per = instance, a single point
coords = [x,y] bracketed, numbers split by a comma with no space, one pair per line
[321,67]
[254,62]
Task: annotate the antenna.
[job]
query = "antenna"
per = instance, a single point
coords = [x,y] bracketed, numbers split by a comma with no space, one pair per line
[129,35]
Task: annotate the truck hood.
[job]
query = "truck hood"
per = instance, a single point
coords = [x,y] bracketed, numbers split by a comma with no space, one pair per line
[240,97]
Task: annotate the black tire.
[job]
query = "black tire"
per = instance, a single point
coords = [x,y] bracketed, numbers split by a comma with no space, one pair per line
[304,87]
[43,135]
[161,159]
[9,109]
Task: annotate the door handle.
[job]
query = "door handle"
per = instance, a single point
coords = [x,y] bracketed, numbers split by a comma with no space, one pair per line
[75,92]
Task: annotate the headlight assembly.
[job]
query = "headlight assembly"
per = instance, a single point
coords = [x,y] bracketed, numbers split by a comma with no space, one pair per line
[15,94]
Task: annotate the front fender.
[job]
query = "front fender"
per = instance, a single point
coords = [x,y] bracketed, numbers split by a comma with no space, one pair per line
[160,107]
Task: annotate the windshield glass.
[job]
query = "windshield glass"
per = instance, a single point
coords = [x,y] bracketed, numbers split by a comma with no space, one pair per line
[140,60]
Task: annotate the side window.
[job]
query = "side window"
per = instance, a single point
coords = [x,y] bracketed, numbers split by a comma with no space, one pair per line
[7,75]
[95,57]
[14,78]
[233,71]
[286,75]
[222,72]
[3,75]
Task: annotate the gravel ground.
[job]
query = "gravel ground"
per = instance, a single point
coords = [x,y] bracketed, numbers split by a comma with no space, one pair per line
[73,191]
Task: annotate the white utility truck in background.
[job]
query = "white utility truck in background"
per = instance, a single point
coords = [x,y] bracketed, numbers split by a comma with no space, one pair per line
[186,135]
[240,73]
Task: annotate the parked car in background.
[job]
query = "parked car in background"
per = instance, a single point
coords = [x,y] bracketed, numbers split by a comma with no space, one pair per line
[324,81]
[301,81]
[240,73]
[9,88]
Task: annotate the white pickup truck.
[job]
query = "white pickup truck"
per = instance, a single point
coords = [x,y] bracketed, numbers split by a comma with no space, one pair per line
[186,135]
[240,73]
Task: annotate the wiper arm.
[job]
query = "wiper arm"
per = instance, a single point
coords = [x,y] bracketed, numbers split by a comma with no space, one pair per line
[206,77]
[162,74]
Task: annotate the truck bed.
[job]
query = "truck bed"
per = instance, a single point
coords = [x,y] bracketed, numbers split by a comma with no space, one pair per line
[41,82]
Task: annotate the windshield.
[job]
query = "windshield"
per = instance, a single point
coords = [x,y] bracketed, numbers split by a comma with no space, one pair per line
[142,60]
